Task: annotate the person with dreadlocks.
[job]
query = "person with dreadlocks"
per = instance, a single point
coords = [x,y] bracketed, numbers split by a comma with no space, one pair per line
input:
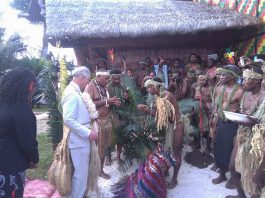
[243,163]
[100,96]
[167,118]
[18,144]
[228,99]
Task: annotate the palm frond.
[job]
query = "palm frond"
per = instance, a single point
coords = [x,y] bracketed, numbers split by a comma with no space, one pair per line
[49,82]
[63,76]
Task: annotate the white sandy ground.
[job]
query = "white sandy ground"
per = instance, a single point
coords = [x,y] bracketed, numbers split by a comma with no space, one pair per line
[193,182]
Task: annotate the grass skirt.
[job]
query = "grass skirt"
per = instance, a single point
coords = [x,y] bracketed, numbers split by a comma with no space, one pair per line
[105,133]
[245,162]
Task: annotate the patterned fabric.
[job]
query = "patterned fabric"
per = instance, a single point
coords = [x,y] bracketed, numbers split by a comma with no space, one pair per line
[12,184]
[148,180]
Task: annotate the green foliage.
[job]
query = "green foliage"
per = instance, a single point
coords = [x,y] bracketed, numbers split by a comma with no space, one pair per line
[9,51]
[141,137]
[34,64]
[49,81]
[45,155]
[22,5]
[40,109]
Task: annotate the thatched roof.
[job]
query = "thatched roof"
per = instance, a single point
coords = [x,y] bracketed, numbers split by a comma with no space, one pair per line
[97,20]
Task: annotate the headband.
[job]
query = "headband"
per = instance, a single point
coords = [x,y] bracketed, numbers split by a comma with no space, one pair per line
[202,77]
[116,75]
[152,82]
[222,70]
[102,73]
[175,75]
[247,73]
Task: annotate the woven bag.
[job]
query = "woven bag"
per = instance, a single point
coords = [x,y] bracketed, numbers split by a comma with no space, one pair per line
[61,171]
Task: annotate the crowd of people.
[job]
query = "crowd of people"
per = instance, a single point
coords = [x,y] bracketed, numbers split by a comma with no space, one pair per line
[171,91]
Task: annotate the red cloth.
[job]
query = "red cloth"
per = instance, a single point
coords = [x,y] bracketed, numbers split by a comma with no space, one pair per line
[39,189]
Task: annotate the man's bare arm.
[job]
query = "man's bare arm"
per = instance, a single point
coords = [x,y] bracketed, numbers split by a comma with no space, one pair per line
[91,90]
[184,88]
[173,101]
[261,98]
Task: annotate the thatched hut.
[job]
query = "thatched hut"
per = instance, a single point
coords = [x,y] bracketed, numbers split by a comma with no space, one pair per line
[144,28]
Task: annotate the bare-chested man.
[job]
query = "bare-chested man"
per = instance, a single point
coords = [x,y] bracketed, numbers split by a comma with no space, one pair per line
[141,73]
[263,84]
[250,104]
[174,135]
[188,89]
[119,114]
[98,92]
[203,94]
[214,118]
[193,63]
[228,99]
[178,86]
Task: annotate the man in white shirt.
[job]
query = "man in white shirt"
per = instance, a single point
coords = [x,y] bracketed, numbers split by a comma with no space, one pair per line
[76,117]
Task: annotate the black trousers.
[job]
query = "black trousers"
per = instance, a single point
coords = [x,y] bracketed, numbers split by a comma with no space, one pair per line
[12,184]
[224,142]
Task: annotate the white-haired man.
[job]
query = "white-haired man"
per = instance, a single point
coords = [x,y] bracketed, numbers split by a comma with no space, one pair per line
[76,117]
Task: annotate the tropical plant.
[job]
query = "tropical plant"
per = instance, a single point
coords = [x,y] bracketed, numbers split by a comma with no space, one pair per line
[49,86]
[48,79]
[10,50]
[34,12]
[35,65]
[22,5]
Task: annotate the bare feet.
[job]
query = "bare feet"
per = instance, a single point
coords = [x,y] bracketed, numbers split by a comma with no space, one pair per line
[172,184]
[219,179]
[104,175]
[230,184]
[107,161]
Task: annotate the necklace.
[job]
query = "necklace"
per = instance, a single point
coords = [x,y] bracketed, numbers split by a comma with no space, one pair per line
[253,109]
[221,98]
[103,95]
